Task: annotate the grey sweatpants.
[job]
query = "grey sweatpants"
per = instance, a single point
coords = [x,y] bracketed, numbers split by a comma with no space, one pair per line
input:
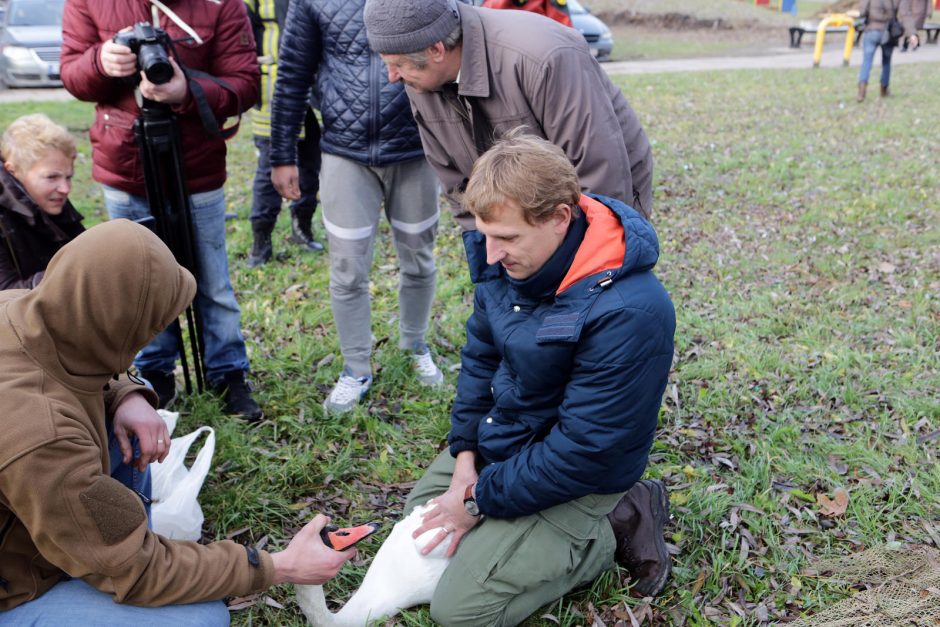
[352,196]
[506,569]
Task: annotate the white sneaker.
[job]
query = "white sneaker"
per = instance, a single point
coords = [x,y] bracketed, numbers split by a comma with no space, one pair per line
[347,393]
[428,373]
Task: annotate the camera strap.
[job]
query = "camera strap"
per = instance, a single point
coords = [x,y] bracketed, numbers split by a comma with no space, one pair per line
[209,121]
[155,12]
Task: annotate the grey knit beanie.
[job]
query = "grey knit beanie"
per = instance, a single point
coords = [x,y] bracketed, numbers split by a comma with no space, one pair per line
[406,26]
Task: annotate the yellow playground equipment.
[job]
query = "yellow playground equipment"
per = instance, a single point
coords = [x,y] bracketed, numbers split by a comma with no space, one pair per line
[835,20]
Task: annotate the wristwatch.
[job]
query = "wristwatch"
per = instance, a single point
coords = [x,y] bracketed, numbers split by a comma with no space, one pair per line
[469,502]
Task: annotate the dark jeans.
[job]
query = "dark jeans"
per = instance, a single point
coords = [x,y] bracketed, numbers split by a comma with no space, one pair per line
[266,202]
[134,479]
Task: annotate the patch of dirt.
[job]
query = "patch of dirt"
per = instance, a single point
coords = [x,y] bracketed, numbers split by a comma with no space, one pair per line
[670,21]
[840,6]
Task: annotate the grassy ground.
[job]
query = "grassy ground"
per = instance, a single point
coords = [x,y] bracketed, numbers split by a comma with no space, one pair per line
[800,246]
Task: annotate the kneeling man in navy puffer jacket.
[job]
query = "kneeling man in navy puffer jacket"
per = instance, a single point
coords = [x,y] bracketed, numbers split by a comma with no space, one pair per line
[568,351]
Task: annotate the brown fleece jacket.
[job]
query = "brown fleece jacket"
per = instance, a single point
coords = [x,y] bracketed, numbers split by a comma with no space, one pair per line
[105,294]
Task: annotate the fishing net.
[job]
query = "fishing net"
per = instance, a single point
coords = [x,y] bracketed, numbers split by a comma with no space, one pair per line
[902,588]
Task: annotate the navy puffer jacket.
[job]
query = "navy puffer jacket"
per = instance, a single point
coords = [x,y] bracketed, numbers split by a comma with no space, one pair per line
[563,373]
[365,118]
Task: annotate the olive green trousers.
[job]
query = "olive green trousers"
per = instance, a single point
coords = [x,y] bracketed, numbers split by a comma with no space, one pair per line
[506,569]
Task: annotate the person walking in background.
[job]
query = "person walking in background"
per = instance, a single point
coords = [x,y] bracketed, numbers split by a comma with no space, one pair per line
[36,217]
[371,157]
[877,14]
[913,14]
[216,39]
[472,74]
[267,20]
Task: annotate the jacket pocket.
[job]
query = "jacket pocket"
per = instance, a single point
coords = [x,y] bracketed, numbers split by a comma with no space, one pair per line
[116,150]
[581,518]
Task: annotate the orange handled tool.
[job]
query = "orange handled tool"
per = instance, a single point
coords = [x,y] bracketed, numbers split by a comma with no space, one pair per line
[340,539]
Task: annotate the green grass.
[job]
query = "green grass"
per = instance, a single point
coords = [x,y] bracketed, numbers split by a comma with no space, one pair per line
[800,245]
[667,45]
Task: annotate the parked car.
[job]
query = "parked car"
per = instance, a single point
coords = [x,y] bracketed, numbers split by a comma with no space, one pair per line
[30,42]
[594,30]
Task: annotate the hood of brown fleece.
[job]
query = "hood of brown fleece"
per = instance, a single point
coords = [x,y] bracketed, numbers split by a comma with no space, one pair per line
[105,295]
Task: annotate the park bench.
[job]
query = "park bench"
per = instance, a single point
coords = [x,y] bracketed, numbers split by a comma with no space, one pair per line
[797,32]
[933,31]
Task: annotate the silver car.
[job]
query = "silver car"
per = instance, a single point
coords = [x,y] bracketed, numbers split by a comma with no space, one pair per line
[596,33]
[30,41]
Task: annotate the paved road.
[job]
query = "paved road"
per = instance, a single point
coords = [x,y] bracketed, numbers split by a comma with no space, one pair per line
[779,58]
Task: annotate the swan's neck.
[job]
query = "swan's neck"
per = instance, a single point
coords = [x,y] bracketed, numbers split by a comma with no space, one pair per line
[399,577]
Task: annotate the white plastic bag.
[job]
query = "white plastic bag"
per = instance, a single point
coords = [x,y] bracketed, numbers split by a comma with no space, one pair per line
[175,512]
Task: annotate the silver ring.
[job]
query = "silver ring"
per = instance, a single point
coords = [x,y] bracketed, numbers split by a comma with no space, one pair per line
[159,441]
[446,531]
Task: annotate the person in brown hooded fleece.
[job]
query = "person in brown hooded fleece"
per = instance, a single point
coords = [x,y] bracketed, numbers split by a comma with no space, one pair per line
[72,538]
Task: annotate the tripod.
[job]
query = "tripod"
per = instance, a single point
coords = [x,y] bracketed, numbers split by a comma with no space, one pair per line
[157,135]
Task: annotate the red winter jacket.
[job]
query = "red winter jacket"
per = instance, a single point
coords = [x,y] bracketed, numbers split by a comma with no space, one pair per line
[227,52]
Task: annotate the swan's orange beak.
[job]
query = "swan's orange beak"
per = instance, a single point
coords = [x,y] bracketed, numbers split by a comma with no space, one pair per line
[341,539]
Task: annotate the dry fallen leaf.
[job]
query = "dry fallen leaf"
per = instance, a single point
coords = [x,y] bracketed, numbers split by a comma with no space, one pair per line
[835,506]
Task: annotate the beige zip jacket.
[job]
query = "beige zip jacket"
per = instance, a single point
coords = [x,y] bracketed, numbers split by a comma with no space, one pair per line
[104,295]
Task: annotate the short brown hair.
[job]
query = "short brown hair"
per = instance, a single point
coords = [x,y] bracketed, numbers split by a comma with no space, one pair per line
[28,137]
[532,172]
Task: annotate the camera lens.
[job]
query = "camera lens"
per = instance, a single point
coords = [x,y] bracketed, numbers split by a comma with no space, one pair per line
[155,64]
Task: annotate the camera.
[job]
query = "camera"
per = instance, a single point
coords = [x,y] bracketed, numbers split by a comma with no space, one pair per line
[150,44]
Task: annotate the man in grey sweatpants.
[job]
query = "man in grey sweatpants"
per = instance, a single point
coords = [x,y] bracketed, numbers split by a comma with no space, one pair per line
[372,156]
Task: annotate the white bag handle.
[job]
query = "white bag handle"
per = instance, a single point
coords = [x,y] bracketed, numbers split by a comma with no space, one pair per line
[171,476]
[200,468]
[176,513]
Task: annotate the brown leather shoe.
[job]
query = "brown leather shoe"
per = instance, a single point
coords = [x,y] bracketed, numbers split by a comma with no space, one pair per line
[862,87]
[638,522]
[885,92]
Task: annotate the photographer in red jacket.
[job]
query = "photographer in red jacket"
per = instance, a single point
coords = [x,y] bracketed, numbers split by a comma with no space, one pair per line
[214,39]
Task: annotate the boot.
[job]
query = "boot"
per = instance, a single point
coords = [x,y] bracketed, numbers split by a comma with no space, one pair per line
[638,522]
[300,230]
[236,394]
[862,87]
[164,384]
[261,249]
[885,92]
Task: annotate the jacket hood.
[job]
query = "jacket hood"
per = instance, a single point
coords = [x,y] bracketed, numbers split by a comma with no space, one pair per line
[14,198]
[105,295]
[617,238]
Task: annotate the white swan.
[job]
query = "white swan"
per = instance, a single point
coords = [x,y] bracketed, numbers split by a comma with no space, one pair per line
[398,578]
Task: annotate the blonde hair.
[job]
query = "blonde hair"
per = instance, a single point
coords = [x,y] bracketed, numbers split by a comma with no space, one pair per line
[29,137]
[528,170]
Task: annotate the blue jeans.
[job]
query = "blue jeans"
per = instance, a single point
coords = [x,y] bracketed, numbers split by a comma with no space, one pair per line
[74,602]
[871,39]
[215,298]
[266,201]
[134,479]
